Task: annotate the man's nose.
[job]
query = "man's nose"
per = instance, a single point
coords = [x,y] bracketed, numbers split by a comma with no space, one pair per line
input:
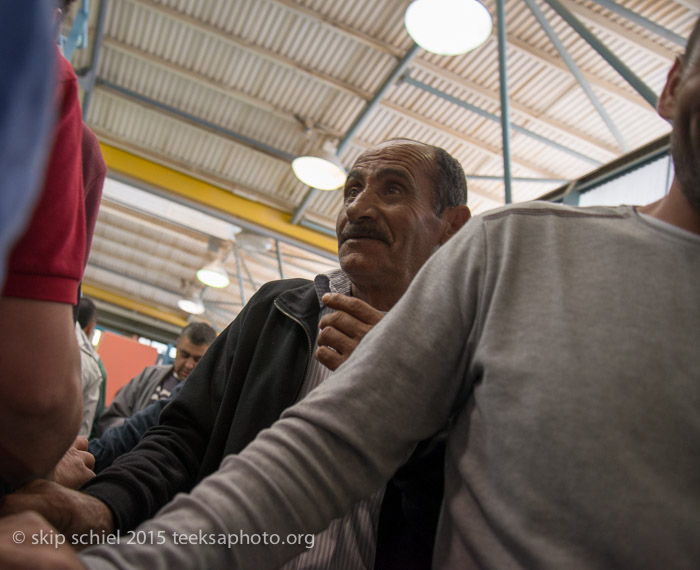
[364,205]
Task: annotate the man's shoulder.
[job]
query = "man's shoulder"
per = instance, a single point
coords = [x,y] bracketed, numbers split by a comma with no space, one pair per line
[273,289]
[154,370]
[543,209]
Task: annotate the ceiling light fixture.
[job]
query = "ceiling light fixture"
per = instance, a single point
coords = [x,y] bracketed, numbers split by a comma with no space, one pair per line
[192,305]
[448,27]
[214,275]
[322,170]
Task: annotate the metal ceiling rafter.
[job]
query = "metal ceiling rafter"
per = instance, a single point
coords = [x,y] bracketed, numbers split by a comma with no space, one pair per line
[505,103]
[518,179]
[637,84]
[221,88]
[483,147]
[654,49]
[576,72]
[614,90]
[525,112]
[474,109]
[233,135]
[643,22]
[89,76]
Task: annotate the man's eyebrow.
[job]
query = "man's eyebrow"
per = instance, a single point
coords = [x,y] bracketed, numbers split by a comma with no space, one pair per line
[389,171]
[354,173]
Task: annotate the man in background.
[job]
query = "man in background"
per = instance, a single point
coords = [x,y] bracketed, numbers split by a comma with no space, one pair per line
[157,382]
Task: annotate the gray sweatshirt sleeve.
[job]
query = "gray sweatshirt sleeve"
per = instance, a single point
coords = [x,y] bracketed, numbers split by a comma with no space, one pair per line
[340,443]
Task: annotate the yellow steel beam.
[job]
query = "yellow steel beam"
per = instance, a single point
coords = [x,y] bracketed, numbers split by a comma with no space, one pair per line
[130,304]
[159,176]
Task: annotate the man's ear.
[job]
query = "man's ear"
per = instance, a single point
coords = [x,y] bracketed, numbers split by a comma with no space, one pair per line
[453,218]
[666,105]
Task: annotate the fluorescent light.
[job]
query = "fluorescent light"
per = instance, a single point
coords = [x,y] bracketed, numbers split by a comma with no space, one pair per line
[322,170]
[191,305]
[214,275]
[448,27]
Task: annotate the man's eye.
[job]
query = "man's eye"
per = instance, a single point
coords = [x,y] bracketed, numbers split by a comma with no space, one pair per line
[352,192]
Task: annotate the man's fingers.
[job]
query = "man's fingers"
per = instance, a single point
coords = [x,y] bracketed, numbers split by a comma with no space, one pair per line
[81,443]
[88,459]
[337,340]
[346,324]
[353,306]
[329,357]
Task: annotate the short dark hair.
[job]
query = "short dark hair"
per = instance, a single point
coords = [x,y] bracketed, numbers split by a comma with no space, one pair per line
[692,44]
[449,180]
[198,333]
[87,312]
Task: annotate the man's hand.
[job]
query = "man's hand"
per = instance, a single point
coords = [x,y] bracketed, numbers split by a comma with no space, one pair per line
[20,550]
[71,512]
[343,330]
[76,465]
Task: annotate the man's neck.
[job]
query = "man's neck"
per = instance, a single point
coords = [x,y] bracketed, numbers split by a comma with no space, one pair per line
[675,209]
[380,298]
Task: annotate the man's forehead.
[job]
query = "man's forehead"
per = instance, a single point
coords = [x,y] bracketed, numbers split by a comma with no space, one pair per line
[400,153]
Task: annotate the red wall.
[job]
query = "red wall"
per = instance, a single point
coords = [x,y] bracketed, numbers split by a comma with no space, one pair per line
[123,358]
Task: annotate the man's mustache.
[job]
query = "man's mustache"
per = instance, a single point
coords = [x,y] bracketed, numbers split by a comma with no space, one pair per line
[364,230]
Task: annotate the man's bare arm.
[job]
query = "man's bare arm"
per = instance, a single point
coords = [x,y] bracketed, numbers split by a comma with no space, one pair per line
[21,550]
[40,390]
[71,512]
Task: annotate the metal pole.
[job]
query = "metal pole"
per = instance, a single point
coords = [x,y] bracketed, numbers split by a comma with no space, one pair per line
[91,75]
[643,22]
[637,84]
[571,64]
[492,117]
[247,141]
[240,274]
[279,258]
[505,108]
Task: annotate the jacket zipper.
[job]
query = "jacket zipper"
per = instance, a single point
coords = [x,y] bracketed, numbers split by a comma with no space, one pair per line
[308,341]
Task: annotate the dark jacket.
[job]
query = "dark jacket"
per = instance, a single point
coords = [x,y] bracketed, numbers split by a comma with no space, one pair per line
[251,373]
[135,396]
[119,440]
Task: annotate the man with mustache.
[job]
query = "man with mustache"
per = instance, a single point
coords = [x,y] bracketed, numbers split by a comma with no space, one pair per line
[402,200]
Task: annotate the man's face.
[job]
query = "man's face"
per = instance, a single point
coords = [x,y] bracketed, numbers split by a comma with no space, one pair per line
[387,227]
[685,139]
[187,357]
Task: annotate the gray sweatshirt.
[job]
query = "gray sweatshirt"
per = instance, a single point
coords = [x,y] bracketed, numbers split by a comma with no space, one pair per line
[560,344]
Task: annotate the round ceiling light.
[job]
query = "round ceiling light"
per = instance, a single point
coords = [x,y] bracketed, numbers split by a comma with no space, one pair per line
[448,27]
[214,275]
[191,305]
[322,170]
